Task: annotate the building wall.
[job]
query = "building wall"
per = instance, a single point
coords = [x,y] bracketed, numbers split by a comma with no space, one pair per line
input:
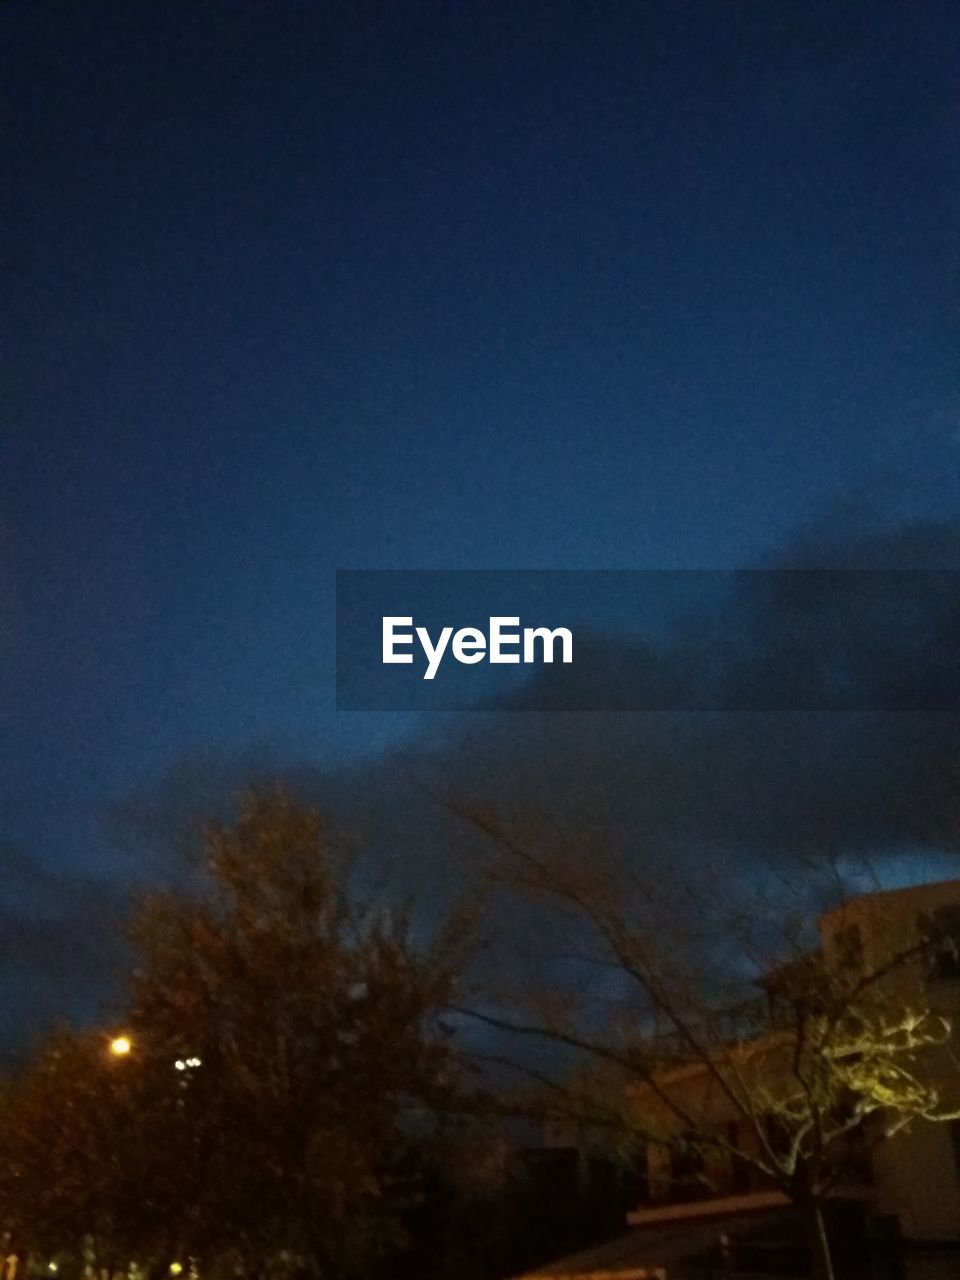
[915,1175]
[917,1172]
[888,925]
[916,1180]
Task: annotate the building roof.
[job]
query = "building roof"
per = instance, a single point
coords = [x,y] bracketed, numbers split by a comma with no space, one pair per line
[638,1254]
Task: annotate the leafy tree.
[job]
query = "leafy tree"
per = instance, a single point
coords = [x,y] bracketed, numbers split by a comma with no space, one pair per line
[288,1076]
[312,1015]
[89,1153]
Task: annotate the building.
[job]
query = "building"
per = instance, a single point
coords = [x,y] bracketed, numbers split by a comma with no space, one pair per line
[890,1197]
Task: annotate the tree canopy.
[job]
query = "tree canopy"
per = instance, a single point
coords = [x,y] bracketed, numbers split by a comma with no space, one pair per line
[287,1074]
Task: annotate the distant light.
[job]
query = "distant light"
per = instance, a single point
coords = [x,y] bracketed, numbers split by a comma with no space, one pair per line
[193,1062]
[120,1046]
[176,1268]
[52,1266]
[180,1065]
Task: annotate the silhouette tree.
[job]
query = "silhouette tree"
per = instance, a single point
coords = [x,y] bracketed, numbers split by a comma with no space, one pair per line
[710,1025]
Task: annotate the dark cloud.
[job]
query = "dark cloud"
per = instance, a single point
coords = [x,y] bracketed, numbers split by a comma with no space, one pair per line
[728,787]
[671,792]
[735,787]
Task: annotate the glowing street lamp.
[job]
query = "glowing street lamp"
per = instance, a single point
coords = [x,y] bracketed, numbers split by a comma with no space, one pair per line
[120,1046]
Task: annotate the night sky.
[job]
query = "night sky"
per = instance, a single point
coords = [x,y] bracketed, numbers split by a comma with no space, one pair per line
[298,287]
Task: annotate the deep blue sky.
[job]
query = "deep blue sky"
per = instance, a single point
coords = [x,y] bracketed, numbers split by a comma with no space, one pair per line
[292,287]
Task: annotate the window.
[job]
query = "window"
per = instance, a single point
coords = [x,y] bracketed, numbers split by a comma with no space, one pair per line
[687,1169]
[741,1172]
[955,1146]
[849,948]
[943,931]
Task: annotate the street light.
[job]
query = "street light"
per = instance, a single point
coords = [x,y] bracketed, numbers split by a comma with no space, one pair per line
[120,1046]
